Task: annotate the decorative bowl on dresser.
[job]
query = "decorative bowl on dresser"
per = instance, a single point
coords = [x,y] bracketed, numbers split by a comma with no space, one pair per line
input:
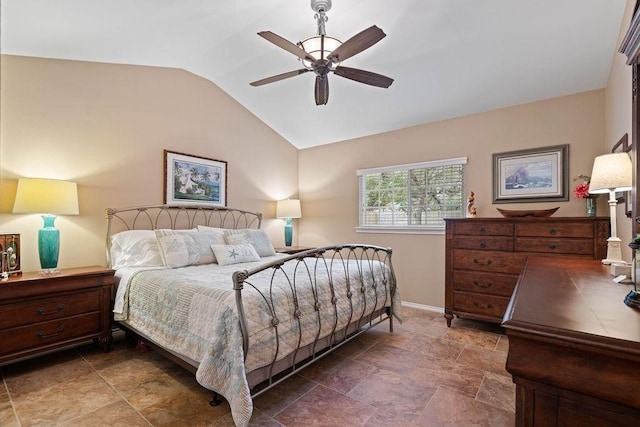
[41,313]
[484,257]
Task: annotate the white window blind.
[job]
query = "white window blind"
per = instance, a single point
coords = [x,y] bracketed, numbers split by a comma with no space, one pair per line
[412,196]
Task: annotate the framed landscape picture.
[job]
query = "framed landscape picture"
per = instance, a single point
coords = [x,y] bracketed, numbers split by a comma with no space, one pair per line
[194,180]
[533,175]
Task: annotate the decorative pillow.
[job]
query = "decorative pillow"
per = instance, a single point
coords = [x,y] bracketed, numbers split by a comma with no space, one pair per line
[135,248]
[213,230]
[257,238]
[234,254]
[182,247]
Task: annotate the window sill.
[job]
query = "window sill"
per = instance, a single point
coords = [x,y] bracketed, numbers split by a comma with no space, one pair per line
[401,230]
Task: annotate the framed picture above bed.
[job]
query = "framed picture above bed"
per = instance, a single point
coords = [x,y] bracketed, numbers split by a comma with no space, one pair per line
[533,175]
[194,180]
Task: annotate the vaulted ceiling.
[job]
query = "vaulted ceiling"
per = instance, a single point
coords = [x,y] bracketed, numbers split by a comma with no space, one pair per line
[449,58]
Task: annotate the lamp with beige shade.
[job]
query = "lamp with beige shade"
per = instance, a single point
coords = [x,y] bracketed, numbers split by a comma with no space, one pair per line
[611,173]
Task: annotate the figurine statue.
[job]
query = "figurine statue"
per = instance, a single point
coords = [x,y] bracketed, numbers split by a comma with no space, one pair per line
[471,210]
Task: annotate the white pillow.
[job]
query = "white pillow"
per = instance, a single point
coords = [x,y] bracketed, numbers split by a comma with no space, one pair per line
[135,248]
[179,248]
[257,238]
[234,254]
[212,230]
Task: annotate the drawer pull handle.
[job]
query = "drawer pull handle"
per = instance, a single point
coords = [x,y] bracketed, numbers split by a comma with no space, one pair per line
[480,285]
[482,230]
[43,312]
[477,304]
[552,246]
[58,331]
[475,261]
[553,231]
[483,245]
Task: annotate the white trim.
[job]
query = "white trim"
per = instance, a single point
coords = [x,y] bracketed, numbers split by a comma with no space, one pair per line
[399,230]
[421,165]
[422,307]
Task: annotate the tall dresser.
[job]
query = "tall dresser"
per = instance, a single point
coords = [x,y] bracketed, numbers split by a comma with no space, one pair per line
[484,257]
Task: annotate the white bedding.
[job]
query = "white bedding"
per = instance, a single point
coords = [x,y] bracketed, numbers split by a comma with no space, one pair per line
[192,311]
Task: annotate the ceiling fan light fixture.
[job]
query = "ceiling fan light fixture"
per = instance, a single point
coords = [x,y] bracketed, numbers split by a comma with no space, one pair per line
[321,54]
[319,47]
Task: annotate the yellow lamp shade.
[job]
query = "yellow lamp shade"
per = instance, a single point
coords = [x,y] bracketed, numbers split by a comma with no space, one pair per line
[39,195]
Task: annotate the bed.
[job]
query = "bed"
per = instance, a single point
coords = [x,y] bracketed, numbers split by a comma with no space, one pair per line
[204,286]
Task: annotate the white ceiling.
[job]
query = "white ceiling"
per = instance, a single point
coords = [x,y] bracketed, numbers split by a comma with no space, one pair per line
[449,58]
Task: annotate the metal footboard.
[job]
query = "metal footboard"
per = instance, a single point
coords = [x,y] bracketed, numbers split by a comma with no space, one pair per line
[363,300]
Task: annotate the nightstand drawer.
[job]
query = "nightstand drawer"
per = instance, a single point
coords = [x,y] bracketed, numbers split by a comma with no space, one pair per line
[54,332]
[45,309]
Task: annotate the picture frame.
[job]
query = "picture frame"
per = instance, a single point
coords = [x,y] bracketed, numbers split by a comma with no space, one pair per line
[9,254]
[532,175]
[197,180]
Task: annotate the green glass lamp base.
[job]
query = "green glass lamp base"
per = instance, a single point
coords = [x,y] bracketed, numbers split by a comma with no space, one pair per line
[49,244]
[288,232]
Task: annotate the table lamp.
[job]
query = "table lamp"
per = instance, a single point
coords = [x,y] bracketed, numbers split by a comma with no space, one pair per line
[48,197]
[611,173]
[288,209]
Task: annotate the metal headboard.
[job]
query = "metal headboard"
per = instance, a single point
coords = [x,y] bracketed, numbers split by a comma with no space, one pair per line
[176,217]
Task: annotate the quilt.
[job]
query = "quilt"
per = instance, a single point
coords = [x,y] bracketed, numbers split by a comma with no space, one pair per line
[192,311]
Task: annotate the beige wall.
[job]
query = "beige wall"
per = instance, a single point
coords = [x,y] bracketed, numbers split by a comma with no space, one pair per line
[106,126]
[328,185]
[618,117]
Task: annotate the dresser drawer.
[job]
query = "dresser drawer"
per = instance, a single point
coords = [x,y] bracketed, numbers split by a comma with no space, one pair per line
[49,333]
[557,229]
[498,262]
[555,246]
[486,283]
[485,305]
[484,243]
[45,309]
[483,229]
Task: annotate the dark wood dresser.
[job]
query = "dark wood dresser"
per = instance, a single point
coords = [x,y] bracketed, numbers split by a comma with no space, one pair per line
[484,257]
[574,346]
[42,313]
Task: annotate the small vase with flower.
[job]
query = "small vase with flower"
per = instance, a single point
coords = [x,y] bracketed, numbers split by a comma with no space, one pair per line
[582,192]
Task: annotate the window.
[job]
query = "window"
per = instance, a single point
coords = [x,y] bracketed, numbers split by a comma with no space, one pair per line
[411,198]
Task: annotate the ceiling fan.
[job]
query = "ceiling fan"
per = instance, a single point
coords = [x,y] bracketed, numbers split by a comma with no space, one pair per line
[322,54]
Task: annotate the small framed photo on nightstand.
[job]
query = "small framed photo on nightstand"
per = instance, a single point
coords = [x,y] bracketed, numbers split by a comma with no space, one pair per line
[9,254]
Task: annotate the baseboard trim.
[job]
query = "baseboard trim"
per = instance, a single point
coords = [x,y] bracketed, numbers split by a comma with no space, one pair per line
[423,307]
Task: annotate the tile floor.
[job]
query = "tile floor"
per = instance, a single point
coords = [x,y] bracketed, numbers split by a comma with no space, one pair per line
[424,374]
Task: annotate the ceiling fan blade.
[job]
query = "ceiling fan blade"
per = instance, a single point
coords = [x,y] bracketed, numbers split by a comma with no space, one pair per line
[279,77]
[356,44]
[322,90]
[362,76]
[286,45]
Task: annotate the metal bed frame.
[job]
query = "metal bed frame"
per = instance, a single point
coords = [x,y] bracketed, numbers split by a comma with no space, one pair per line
[311,263]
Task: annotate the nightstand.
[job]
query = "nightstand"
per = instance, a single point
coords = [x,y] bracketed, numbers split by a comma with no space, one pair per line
[293,249]
[41,313]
